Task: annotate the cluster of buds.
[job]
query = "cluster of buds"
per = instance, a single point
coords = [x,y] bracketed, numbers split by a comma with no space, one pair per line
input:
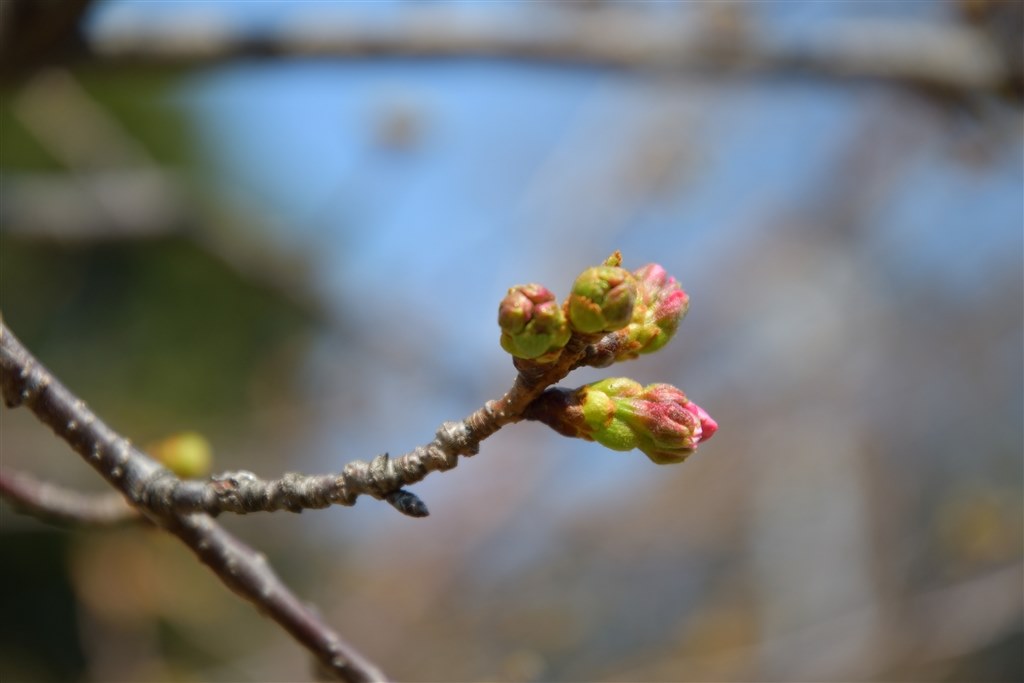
[620,414]
[640,311]
[620,315]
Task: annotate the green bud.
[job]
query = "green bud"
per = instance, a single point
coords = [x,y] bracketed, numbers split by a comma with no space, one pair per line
[602,299]
[187,454]
[532,323]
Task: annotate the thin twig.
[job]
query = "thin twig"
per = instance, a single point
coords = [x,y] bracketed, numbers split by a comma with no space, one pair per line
[24,381]
[384,477]
[58,504]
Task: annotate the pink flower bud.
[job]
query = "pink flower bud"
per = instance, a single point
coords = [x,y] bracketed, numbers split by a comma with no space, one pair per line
[618,413]
[668,424]
[661,307]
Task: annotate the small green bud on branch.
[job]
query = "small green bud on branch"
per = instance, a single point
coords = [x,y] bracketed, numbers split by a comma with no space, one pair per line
[187,454]
[532,323]
[602,299]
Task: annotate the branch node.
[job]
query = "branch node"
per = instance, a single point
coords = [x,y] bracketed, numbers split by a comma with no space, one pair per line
[381,476]
[454,437]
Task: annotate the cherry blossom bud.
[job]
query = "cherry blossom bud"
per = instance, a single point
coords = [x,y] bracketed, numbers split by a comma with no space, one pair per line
[621,414]
[602,299]
[532,323]
[667,424]
[665,304]
[662,303]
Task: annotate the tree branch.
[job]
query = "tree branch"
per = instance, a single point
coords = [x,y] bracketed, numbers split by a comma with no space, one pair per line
[139,203]
[184,508]
[57,504]
[24,381]
[157,490]
[383,478]
[946,56]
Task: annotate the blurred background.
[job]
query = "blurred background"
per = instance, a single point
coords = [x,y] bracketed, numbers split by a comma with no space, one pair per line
[287,225]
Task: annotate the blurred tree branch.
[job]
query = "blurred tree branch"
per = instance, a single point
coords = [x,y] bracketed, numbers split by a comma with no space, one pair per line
[947,57]
[115,204]
[55,503]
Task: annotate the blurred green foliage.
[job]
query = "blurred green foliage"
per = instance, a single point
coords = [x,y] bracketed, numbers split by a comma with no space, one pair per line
[142,102]
[172,335]
[39,632]
[18,149]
